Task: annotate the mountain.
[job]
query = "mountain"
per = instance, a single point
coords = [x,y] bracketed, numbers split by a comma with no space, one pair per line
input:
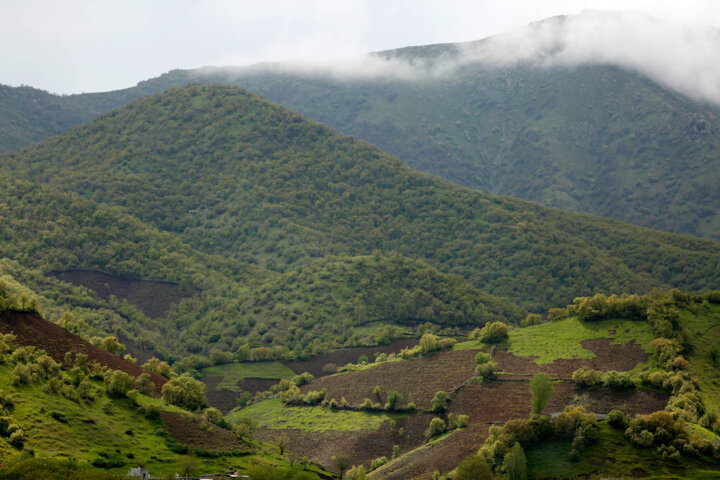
[585,136]
[234,175]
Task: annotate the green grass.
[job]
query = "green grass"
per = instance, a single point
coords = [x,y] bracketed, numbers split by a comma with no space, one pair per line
[119,431]
[703,329]
[232,373]
[554,340]
[611,456]
[272,413]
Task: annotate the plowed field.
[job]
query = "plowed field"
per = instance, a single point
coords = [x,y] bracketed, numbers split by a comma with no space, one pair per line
[421,377]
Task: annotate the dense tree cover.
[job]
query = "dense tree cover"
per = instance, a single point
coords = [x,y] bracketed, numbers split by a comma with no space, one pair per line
[235,175]
[316,307]
[596,138]
[44,231]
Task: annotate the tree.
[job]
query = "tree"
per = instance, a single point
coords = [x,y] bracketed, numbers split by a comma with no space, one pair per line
[436,427]
[119,383]
[542,390]
[394,399]
[341,463]
[112,345]
[474,467]
[516,463]
[493,332]
[439,401]
[186,391]
[282,442]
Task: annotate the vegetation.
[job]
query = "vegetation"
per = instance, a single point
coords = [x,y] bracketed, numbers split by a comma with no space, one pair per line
[542,390]
[307,192]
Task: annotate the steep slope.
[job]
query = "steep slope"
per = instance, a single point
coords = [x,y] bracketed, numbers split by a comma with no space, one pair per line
[234,175]
[591,138]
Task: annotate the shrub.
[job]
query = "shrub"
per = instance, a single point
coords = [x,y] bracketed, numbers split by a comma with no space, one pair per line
[378,462]
[436,427]
[17,438]
[394,400]
[303,379]
[618,380]
[144,385]
[22,374]
[482,358]
[119,383]
[487,371]
[157,366]
[493,332]
[184,390]
[473,467]
[587,377]
[439,401]
[616,418]
[218,357]
[531,319]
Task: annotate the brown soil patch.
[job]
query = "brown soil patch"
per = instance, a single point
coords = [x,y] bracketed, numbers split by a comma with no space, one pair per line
[500,401]
[198,433]
[223,400]
[345,356]
[442,456]
[421,377]
[154,298]
[31,330]
[607,357]
[254,385]
[361,446]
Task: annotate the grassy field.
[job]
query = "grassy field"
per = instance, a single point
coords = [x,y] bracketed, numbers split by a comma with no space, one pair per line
[703,329]
[611,456]
[272,413]
[232,373]
[555,340]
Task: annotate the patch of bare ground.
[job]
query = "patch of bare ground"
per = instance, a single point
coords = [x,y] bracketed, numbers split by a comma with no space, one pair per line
[198,433]
[316,366]
[421,377]
[361,446]
[154,298]
[32,330]
[223,400]
[442,456]
[607,357]
[500,401]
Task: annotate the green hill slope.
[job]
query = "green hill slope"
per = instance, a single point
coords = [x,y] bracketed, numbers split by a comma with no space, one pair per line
[237,176]
[335,302]
[595,139]
[229,303]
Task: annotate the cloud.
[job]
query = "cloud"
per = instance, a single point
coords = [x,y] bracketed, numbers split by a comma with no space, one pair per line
[685,58]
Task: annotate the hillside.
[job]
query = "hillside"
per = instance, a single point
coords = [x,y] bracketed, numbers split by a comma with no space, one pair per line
[234,175]
[336,302]
[116,275]
[591,138]
[620,341]
[82,412]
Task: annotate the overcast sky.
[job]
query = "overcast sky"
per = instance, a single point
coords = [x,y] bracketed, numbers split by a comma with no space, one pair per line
[74,46]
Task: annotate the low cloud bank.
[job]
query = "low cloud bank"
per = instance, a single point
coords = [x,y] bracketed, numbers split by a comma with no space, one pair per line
[684,58]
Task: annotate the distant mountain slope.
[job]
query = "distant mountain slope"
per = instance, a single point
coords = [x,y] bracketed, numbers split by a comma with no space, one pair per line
[235,175]
[593,138]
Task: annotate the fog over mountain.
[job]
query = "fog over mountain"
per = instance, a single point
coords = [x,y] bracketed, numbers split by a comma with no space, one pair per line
[685,58]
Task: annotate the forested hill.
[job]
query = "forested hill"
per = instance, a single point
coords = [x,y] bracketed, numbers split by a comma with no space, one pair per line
[592,138]
[235,175]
